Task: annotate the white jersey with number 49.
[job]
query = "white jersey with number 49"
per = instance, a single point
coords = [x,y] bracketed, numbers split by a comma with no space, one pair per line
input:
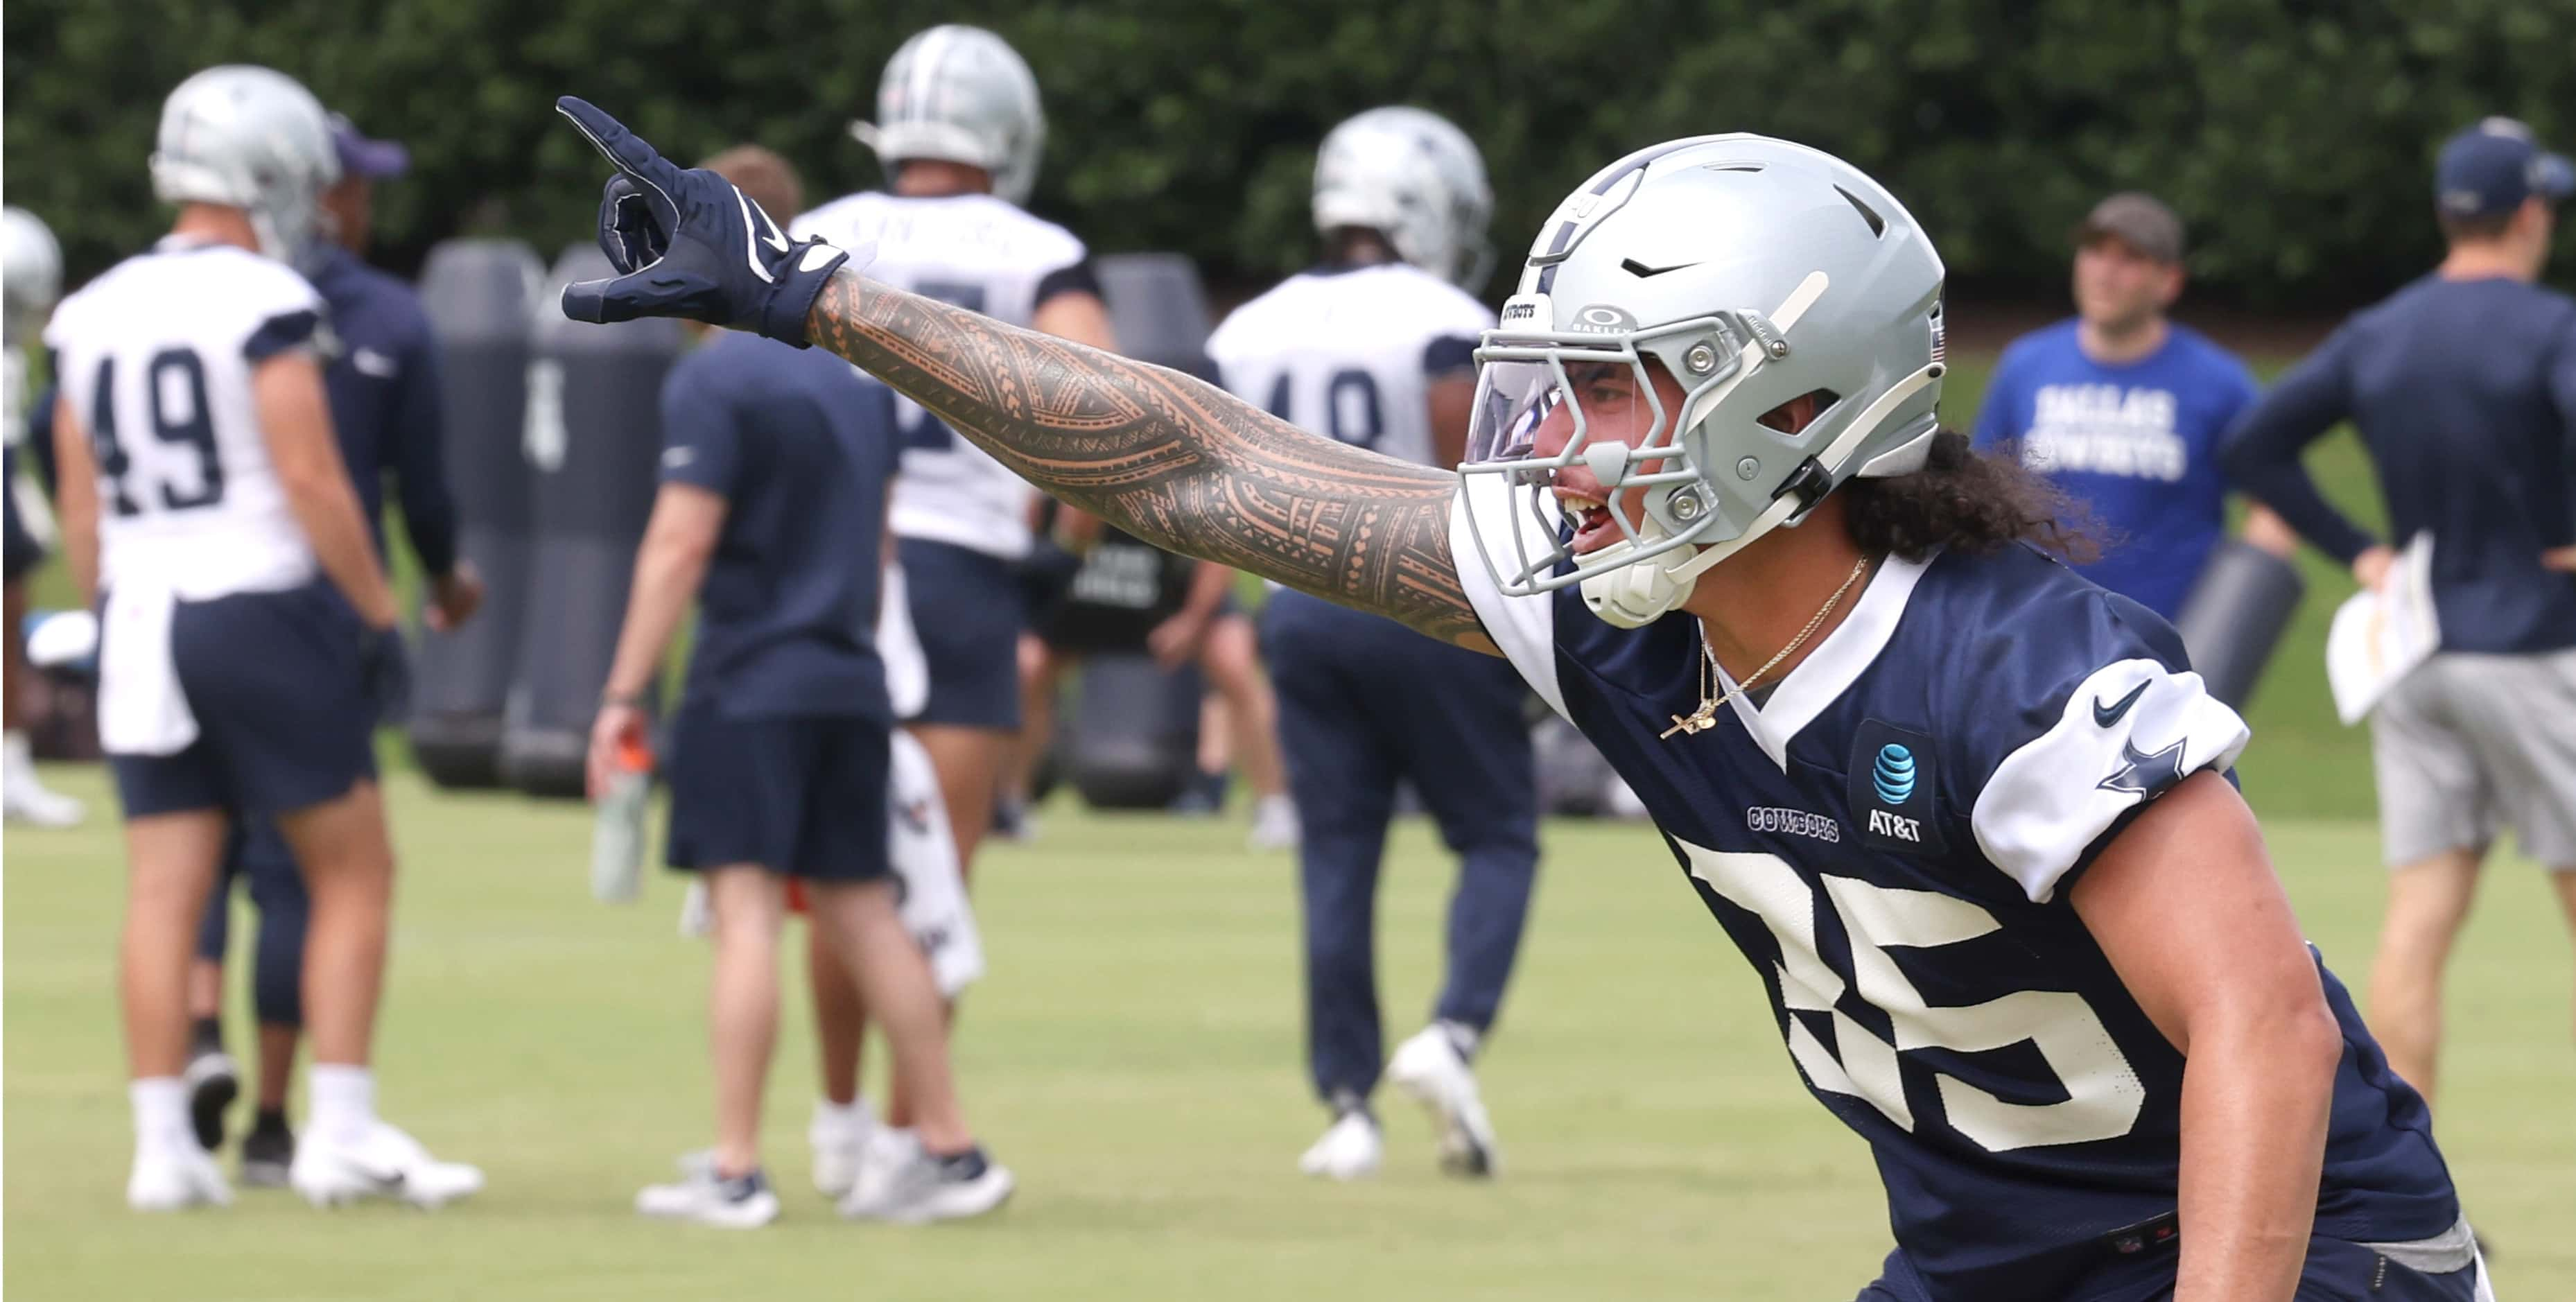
[1350,352]
[155,359]
[984,254]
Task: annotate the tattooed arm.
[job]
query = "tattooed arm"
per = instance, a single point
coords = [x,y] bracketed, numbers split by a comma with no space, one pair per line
[1167,458]
[1174,461]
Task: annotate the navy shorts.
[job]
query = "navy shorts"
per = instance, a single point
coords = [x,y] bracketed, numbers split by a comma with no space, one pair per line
[20,552]
[803,795]
[283,723]
[967,608]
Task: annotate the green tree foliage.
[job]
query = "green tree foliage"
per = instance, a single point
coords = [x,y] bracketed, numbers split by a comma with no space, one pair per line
[2294,135]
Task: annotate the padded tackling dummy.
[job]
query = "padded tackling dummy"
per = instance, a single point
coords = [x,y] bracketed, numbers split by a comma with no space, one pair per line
[1158,309]
[483,302]
[1134,742]
[2234,618]
[594,434]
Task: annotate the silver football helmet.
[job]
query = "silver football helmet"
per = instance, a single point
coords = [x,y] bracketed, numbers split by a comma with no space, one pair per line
[1752,272]
[961,94]
[1413,176]
[250,138]
[31,265]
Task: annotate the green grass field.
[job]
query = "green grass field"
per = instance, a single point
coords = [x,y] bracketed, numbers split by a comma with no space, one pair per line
[1135,1055]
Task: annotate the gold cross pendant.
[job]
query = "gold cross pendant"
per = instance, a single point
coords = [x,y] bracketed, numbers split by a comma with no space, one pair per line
[1693,723]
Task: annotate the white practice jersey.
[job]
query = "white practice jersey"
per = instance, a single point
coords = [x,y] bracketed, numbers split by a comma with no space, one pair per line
[981,253]
[155,359]
[14,395]
[1349,353]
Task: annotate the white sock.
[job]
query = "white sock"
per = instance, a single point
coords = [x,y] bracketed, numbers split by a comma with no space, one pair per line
[160,1111]
[344,1100]
[1462,1037]
[17,757]
[840,1120]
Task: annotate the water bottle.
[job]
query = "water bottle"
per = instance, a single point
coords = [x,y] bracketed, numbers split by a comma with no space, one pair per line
[617,838]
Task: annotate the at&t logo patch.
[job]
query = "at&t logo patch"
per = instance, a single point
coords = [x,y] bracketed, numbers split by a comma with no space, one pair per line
[1894,791]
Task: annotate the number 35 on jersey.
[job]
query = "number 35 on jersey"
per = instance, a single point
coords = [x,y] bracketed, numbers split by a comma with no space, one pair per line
[2103,1093]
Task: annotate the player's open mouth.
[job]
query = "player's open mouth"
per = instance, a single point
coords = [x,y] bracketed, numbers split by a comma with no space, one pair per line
[1593,527]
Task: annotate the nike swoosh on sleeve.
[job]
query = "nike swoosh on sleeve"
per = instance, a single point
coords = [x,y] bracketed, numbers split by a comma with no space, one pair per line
[2105,716]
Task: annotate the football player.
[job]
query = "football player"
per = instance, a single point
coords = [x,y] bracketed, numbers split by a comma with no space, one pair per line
[383,385]
[248,634]
[1969,816]
[33,264]
[960,132]
[1375,348]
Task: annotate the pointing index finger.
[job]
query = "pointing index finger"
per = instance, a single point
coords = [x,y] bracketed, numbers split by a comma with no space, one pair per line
[621,146]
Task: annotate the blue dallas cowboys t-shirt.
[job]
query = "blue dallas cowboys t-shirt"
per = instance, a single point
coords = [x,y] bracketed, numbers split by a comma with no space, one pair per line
[1892,839]
[2136,443]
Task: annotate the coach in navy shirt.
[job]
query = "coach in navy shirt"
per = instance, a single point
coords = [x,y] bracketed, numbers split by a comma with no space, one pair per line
[2463,385]
[775,467]
[384,382]
[2123,409]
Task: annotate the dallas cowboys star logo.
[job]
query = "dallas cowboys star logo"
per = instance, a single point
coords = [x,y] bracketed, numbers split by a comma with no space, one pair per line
[2145,774]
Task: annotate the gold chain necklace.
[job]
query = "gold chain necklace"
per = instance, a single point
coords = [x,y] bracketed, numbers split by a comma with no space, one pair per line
[1705,717]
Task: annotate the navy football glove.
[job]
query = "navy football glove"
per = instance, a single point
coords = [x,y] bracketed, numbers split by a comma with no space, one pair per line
[688,244]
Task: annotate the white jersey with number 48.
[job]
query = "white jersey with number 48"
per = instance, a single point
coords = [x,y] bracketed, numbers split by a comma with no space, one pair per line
[1350,352]
[984,254]
[155,359]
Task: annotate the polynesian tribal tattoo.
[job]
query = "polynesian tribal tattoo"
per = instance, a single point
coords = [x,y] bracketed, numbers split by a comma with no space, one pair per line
[1174,461]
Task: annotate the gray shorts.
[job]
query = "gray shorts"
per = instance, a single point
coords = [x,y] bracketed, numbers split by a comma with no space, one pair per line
[2468,746]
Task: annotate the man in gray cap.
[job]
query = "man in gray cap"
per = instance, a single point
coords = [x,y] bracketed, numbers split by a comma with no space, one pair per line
[2463,385]
[2123,409]
[385,407]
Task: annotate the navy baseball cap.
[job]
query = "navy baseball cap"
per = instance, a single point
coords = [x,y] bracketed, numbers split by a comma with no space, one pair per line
[374,159]
[2493,166]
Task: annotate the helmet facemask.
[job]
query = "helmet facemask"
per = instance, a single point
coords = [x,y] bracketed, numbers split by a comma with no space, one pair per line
[1673,516]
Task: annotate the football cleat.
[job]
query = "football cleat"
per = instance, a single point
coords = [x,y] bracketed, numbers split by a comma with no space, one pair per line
[1349,1150]
[1274,825]
[1429,1068]
[745,1202]
[383,1162]
[267,1154]
[926,1188]
[214,1081]
[172,1176]
[26,800]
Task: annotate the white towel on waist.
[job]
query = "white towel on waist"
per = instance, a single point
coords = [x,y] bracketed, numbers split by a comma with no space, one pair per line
[141,707]
[907,669]
[925,857]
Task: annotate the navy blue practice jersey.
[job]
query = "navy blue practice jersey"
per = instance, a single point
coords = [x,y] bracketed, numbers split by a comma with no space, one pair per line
[1891,839]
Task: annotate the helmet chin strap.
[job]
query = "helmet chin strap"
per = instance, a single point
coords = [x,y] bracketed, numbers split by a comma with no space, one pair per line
[1635,595]
[1638,594]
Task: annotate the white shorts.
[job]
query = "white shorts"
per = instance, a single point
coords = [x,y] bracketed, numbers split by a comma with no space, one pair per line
[2468,746]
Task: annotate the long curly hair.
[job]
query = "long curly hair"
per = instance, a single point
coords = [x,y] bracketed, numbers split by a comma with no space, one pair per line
[1965,500]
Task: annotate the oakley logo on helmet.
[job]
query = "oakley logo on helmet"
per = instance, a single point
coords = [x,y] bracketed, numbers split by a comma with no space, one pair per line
[1602,319]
